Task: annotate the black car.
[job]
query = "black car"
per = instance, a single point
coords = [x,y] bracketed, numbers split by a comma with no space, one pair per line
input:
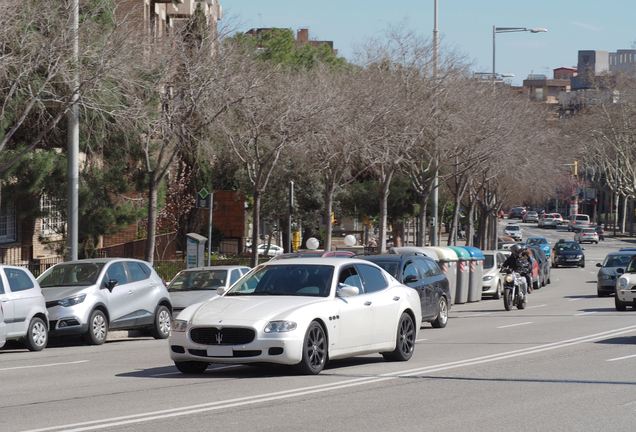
[600,231]
[568,253]
[516,213]
[544,264]
[416,270]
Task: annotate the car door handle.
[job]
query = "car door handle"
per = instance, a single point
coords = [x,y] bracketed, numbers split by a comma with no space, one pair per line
[367,303]
[4,300]
[130,292]
[396,298]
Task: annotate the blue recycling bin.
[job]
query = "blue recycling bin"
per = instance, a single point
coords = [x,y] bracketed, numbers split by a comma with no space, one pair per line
[476,273]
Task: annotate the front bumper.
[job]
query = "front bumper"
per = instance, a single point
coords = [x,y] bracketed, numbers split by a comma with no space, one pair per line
[569,261]
[280,348]
[627,295]
[67,321]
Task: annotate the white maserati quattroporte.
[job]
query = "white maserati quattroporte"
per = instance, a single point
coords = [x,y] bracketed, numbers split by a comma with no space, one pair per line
[301,311]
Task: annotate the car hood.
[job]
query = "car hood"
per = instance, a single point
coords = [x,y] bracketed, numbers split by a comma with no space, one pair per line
[610,271]
[183,299]
[248,309]
[59,293]
[570,253]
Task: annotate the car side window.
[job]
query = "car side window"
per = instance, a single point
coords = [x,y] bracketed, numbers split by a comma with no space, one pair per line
[234,276]
[116,271]
[136,272]
[372,277]
[18,280]
[435,270]
[349,276]
[1,286]
[409,269]
[423,268]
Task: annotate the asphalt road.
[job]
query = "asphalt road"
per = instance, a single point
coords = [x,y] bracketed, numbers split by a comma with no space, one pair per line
[566,362]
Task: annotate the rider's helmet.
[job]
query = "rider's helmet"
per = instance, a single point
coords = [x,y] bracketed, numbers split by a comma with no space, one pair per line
[518,249]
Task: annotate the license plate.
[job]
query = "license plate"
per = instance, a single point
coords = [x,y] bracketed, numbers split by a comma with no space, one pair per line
[571,259]
[220,351]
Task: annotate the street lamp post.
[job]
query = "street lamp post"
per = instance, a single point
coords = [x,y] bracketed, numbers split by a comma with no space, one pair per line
[496,30]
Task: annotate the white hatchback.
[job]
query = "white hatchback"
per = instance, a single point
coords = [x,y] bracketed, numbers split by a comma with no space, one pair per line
[24,307]
[626,287]
[586,235]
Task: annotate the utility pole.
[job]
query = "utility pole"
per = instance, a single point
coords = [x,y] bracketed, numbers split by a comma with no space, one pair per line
[72,142]
[435,198]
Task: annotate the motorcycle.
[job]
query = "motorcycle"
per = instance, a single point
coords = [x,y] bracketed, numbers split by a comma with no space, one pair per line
[513,296]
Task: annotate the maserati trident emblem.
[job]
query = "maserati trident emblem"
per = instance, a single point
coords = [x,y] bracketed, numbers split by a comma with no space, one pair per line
[219,338]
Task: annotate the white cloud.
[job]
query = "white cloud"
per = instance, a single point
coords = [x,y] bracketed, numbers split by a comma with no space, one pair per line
[587,26]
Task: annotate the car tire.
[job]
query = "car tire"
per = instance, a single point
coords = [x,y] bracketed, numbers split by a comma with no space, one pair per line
[583,265]
[620,306]
[314,356]
[161,328]
[595,242]
[442,313]
[191,367]
[37,336]
[404,340]
[600,294]
[498,293]
[97,328]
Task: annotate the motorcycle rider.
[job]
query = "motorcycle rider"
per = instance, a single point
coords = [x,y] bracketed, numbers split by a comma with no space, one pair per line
[518,262]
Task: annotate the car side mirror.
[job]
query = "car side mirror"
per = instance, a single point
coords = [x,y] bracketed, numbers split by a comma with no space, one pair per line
[582,248]
[347,291]
[111,284]
[411,278]
[599,265]
[620,270]
[220,291]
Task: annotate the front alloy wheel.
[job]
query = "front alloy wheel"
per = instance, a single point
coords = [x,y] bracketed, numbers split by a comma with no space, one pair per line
[405,340]
[314,350]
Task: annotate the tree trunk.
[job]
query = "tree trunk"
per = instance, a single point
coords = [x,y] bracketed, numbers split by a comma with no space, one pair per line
[421,235]
[328,210]
[152,219]
[256,221]
[384,196]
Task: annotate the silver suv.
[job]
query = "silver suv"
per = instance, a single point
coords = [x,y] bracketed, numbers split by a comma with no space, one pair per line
[25,314]
[89,297]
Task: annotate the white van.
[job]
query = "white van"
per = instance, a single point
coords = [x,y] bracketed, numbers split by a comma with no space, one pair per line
[578,222]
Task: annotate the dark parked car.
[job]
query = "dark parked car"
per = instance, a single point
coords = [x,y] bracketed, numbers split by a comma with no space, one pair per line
[568,253]
[608,273]
[516,213]
[600,231]
[544,264]
[420,272]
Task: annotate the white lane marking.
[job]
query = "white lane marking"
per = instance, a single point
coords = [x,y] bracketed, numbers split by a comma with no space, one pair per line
[206,407]
[577,298]
[622,358]
[515,325]
[44,365]
[537,306]
[420,340]
[585,313]
[475,315]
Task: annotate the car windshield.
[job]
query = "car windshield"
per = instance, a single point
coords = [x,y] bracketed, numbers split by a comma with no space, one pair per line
[285,279]
[617,260]
[513,228]
[569,246]
[71,275]
[537,241]
[489,261]
[197,280]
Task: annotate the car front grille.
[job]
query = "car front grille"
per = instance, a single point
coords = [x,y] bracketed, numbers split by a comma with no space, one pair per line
[222,336]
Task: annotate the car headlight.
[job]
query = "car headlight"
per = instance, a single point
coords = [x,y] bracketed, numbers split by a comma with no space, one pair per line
[179,325]
[622,283]
[71,301]
[605,277]
[280,326]
[487,278]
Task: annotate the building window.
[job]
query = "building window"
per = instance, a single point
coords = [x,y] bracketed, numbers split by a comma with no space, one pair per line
[51,222]
[538,94]
[7,225]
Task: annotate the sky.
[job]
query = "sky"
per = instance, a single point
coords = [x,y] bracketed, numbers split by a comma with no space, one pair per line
[464,25]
